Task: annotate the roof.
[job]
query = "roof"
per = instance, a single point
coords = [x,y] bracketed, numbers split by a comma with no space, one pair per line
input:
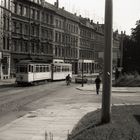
[61,12]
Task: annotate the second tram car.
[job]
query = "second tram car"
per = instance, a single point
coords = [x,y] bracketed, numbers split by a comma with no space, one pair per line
[34,72]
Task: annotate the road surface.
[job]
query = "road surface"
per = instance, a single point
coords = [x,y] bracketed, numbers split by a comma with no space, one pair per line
[15,102]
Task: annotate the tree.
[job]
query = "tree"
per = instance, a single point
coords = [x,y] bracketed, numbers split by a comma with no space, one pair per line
[136,33]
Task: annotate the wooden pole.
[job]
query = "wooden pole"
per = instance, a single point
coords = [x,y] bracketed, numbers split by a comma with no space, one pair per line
[107,75]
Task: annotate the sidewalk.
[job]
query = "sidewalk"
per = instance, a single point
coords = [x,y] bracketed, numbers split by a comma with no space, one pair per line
[55,121]
[7,81]
[91,87]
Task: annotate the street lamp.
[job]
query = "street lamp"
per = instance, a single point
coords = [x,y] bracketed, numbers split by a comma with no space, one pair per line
[82,71]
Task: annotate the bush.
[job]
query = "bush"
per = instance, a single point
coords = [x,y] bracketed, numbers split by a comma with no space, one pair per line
[128,80]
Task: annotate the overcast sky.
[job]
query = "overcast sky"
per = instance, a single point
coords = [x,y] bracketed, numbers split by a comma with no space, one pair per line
[126,12]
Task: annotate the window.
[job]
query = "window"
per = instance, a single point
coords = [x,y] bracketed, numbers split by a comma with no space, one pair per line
[32,48]
[32,30]
[4,44]
[22,68]
[20,9]
[14,8]
[32,13]
[43,17]
[25,46]
[37,48]
[56,37]
[37,68]
[26,29]
[30,68]
[14,27]
[47,68]
[41,68]
[51,19]
[55,50]
[58,68]
[8,24]
[8,43]
[47,18]
[38,15]
[4,23]
[42,48]
[20,28]
[15,45]
[20,46]
[25,11]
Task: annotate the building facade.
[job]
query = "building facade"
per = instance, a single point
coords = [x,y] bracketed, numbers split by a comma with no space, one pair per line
[5,38]
[87,45]
[38,30]
[66,36]
[32,32]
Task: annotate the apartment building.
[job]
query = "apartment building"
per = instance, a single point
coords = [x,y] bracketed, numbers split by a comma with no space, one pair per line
[32,32]
[38,30]
[5,38]
[87,45]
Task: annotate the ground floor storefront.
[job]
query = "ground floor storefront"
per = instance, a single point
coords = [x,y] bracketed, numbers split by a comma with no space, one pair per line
[5,65]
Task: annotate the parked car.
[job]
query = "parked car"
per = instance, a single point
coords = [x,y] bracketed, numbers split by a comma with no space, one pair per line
[78,79]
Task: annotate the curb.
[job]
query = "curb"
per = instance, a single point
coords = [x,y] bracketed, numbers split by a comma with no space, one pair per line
[116,91]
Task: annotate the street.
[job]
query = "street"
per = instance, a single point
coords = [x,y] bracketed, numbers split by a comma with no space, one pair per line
[57,98]
[16,101]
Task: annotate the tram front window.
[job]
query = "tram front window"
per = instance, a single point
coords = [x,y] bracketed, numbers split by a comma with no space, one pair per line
[22,69]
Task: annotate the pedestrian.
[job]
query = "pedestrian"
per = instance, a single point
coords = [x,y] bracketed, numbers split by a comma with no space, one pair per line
[68,79]
[97,82]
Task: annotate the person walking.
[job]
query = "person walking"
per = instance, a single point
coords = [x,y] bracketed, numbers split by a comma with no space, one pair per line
[97,82]
[68,79]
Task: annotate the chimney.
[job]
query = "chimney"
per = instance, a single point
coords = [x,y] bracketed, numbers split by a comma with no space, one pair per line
[57,3]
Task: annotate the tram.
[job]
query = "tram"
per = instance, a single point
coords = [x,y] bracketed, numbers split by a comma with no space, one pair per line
[32,72]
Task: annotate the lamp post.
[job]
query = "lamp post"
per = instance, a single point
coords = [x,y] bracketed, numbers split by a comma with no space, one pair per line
[82,71]
[107,74]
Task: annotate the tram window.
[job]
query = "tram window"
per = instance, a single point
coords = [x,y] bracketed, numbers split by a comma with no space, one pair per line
[40,68]
[63,68]
[47,68]
[30,68]
[37,68]
[43,68]
[25,69]
[21,69]
[55,68]
[68,69]
[58,68]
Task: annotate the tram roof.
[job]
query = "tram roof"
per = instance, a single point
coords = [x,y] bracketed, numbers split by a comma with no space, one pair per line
[32,62]
[64,64]
[42,62]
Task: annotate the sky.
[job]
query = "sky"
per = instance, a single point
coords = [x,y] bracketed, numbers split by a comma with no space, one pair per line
[125,12]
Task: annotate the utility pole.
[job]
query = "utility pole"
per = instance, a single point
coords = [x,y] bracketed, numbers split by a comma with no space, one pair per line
[107,75]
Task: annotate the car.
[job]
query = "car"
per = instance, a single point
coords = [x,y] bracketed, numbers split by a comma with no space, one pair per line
[78,79]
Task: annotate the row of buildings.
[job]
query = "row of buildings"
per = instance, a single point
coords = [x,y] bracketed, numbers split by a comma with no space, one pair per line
[38,30]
